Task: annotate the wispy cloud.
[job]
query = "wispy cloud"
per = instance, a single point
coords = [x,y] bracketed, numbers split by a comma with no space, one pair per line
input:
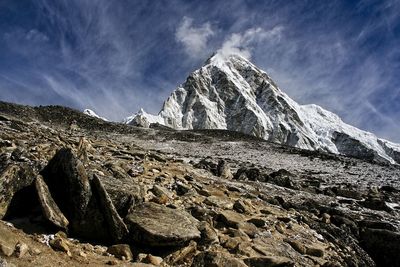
[194,39]
[243,43]
[115,57]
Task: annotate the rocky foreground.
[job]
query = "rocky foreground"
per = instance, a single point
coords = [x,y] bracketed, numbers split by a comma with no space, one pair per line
[79,191]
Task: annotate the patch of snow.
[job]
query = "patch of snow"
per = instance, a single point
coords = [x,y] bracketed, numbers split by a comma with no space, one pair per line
[91,113]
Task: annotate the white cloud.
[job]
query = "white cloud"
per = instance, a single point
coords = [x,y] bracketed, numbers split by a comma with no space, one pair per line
[242,43]
[194,39]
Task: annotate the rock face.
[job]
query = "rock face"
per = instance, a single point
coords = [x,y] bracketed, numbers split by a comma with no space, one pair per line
[229,92]
[157,225]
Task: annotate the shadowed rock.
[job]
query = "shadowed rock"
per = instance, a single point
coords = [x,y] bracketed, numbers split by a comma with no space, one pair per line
[115,225]
[13,178]
[69,185]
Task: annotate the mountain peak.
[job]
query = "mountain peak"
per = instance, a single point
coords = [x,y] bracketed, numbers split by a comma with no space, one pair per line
[229,92]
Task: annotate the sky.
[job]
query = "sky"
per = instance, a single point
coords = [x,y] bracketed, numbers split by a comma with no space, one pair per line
[116,57]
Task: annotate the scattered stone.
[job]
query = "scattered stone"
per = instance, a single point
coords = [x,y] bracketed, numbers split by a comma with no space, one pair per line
[154,260]
[21,249]
[156,225]
[60,244]
[223,170]
[121,251]
[243,206]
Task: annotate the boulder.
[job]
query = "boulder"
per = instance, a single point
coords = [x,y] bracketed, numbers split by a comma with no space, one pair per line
[114,224]
[156,225]
[251,174]
[69,185]
[216,259]
[49,208]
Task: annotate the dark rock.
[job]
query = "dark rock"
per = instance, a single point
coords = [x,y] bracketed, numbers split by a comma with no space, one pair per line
[50,209]
[69,185]
[376,204]
[251,174]
[216,259]
[377,225]
[382,245]
[115,226]
[282,178]
[156,225]
[208,165]
[269,261]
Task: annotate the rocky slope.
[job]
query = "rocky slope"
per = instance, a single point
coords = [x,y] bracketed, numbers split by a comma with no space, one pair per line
[231,93]
[76,190]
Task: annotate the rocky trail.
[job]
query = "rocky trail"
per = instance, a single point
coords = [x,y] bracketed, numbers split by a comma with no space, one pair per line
[79,191]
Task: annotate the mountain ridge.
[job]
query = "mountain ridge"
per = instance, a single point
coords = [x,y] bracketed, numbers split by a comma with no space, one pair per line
[230,92]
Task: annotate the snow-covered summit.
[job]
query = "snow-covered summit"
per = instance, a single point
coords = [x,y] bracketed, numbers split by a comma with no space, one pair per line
[143,119]
[229,92]
[93,114]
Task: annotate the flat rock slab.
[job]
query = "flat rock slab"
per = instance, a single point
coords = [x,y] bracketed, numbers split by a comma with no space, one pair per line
[156,225]
[49,207]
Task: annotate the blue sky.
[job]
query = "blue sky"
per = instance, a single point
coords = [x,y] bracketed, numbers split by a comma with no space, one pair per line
[117,56]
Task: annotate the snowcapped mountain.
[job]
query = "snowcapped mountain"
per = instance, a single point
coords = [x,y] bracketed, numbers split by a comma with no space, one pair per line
[143,119]
[229,92]
[91,113]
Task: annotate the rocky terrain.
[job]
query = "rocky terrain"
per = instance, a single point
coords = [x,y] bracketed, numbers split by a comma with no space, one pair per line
[79,191]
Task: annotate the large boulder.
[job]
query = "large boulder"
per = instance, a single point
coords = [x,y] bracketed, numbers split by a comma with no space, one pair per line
[69,185]
[85,203]
[156,225]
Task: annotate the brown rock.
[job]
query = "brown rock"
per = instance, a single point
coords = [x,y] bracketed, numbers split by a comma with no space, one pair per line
[21,249]
[269,261]
[121,251]
[230,218]
[296,245]
[153,260]
[216,259]
[60,244]
[156,225]
[49,207]
[314,251]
